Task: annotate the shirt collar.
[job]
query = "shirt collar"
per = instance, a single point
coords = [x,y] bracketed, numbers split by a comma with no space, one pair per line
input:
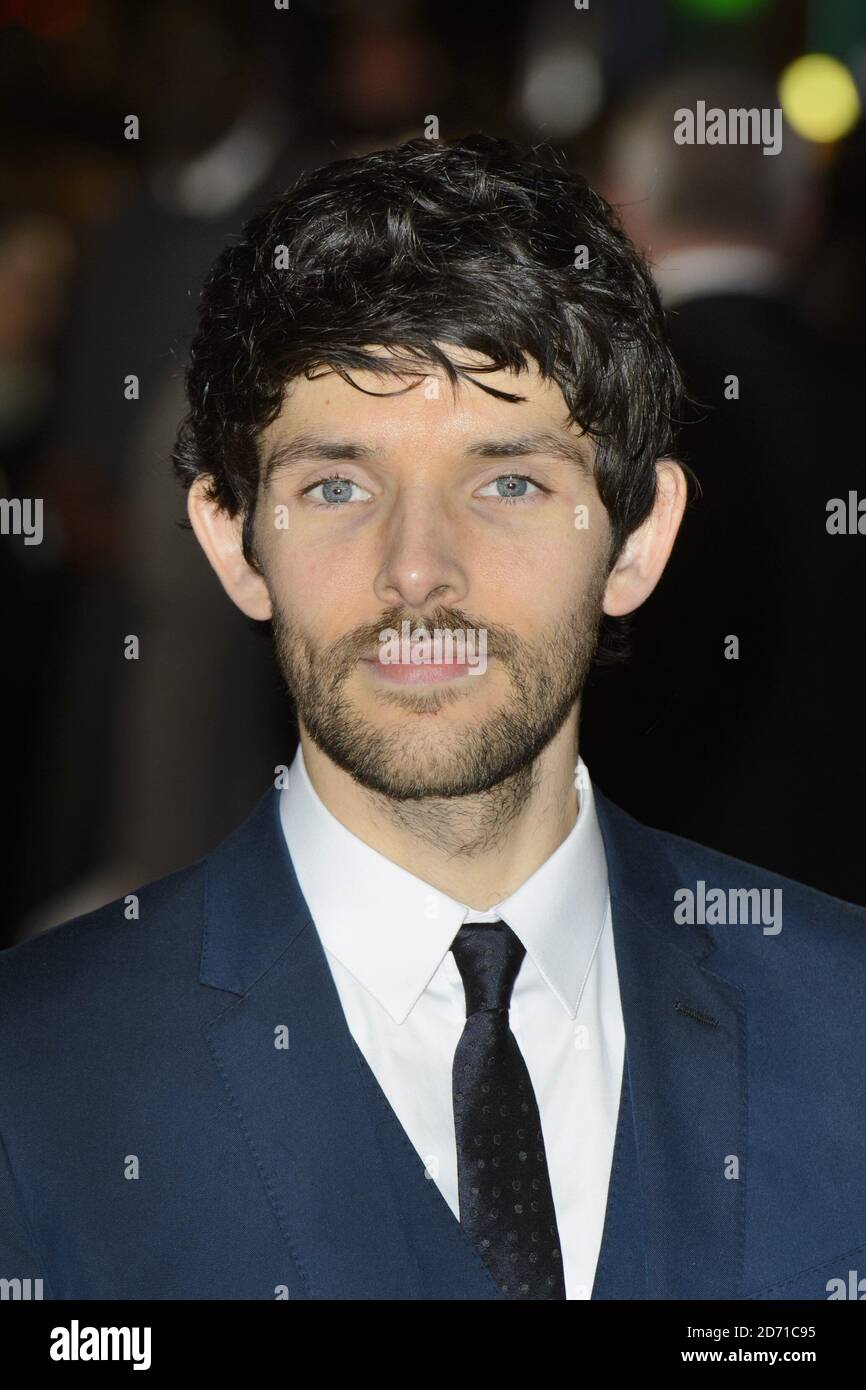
[391,930]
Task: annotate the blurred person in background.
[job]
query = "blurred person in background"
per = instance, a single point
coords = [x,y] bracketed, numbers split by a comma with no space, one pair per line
[224,114]
[743,751]
[36,259]
[832,281]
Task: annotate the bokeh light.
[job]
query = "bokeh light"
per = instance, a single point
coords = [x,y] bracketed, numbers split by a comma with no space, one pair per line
[722,9]
[819,97]
[562,90]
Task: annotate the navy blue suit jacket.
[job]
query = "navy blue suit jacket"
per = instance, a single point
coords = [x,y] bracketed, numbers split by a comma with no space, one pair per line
[185,1114]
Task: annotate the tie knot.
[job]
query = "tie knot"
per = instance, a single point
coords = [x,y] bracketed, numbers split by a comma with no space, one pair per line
[488,956]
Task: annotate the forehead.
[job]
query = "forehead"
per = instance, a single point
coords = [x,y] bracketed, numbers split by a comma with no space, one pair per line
[420,417]
[423,397]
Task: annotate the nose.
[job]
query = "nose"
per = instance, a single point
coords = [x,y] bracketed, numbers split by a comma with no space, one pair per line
[420,560]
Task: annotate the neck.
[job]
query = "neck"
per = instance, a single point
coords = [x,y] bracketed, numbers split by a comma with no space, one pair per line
[477,849]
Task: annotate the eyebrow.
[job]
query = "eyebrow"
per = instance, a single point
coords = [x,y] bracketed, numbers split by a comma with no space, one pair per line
[311,445]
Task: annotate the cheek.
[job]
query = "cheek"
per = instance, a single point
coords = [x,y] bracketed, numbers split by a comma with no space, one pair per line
[538,583]
[320,588]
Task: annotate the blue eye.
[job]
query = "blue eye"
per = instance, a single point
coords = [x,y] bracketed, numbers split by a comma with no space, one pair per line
[510,487]
[337,491]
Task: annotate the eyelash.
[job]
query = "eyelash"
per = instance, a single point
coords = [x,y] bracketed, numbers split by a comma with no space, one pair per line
[520,478]
[329,478]
[508,501]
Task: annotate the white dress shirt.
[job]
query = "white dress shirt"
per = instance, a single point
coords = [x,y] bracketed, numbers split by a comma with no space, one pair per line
[387,936]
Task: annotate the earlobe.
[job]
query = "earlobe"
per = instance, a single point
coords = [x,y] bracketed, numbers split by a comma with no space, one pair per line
[642,560]
[220,536]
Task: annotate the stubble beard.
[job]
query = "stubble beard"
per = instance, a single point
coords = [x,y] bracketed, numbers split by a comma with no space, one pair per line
[456,789]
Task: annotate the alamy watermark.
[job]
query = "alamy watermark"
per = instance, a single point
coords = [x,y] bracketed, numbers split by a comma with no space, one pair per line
[441,647]
[77,1343]
[729,907]
[737,126]
[22,516]
[20,1290]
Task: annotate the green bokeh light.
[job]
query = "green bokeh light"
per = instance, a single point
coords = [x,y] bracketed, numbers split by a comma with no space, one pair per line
[723,9]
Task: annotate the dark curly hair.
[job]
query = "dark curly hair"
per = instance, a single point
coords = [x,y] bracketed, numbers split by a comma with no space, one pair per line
[472,242]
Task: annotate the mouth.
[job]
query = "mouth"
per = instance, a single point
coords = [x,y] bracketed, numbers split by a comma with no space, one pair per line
[409,674]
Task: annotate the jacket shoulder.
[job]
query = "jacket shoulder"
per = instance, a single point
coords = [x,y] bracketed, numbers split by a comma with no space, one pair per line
[724,870]
[123,937]
[649,865]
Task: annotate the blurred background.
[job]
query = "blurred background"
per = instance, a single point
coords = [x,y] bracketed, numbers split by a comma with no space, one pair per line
[118,771]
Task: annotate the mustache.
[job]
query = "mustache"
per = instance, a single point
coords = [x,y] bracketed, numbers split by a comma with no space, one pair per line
[363,642]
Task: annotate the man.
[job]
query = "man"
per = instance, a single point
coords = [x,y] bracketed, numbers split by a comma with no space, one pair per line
[438,1021]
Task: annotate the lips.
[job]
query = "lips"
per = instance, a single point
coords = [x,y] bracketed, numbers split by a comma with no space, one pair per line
[422,673]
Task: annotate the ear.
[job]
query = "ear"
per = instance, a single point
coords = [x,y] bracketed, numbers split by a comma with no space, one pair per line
[642,559]
[219,536]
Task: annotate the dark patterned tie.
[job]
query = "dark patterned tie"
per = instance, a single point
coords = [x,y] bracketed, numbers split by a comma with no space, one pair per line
[506,1204]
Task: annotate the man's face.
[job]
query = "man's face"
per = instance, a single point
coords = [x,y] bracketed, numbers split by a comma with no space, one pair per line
[450,513]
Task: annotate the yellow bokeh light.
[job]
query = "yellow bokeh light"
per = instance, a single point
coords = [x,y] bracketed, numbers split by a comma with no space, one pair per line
[819,97]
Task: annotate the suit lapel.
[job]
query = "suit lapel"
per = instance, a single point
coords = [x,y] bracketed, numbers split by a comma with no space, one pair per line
[621,1269]
[685,1037]
[353,1221]
[451,1266]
